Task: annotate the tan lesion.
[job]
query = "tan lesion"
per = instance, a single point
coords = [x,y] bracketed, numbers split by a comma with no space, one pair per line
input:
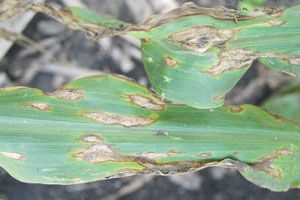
[190,9]
[11,8]
[205,155]
[13,155]
[280,118]
[170,62]
[235,108]
[118,119]
[68,94]
[295,60]
[146,40]
[145,102]
[219,97]
[266,162]
[100,152]
[232,59]
[239,58]
[275,22]
[202,38]
[37,105]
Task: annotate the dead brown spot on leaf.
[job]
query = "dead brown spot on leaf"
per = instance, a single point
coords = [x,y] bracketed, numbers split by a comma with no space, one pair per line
[162,132]
[170,62]
[91,138]
[145,102]
[147,40]
[36,105]
[202,38]
[204,155]
[295,61]
[172,151]
[275,22]
[124,173]
[233,59]
[101,152]
[177,167]
[118,119]
[280,118]
[13,155]
[266,162]
[235,153]
[12,8]
[152,155]
[235,109]
[273,12]
[97,153]
[190,9]
[219,97]
[65,16]
[68,94]
[125,78]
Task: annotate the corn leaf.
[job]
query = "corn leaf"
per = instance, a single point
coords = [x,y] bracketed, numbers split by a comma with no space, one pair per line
[194,55]
[286,102]
[108,126]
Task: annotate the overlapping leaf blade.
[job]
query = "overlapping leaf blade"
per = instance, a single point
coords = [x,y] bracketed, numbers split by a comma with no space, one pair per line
[194,55]
[286,102]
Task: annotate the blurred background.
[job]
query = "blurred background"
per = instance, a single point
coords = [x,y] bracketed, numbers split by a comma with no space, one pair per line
[70,55]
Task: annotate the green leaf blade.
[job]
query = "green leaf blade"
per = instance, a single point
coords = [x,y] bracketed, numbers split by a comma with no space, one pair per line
[101,127]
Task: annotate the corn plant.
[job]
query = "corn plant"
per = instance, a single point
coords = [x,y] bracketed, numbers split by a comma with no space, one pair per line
[109,126]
